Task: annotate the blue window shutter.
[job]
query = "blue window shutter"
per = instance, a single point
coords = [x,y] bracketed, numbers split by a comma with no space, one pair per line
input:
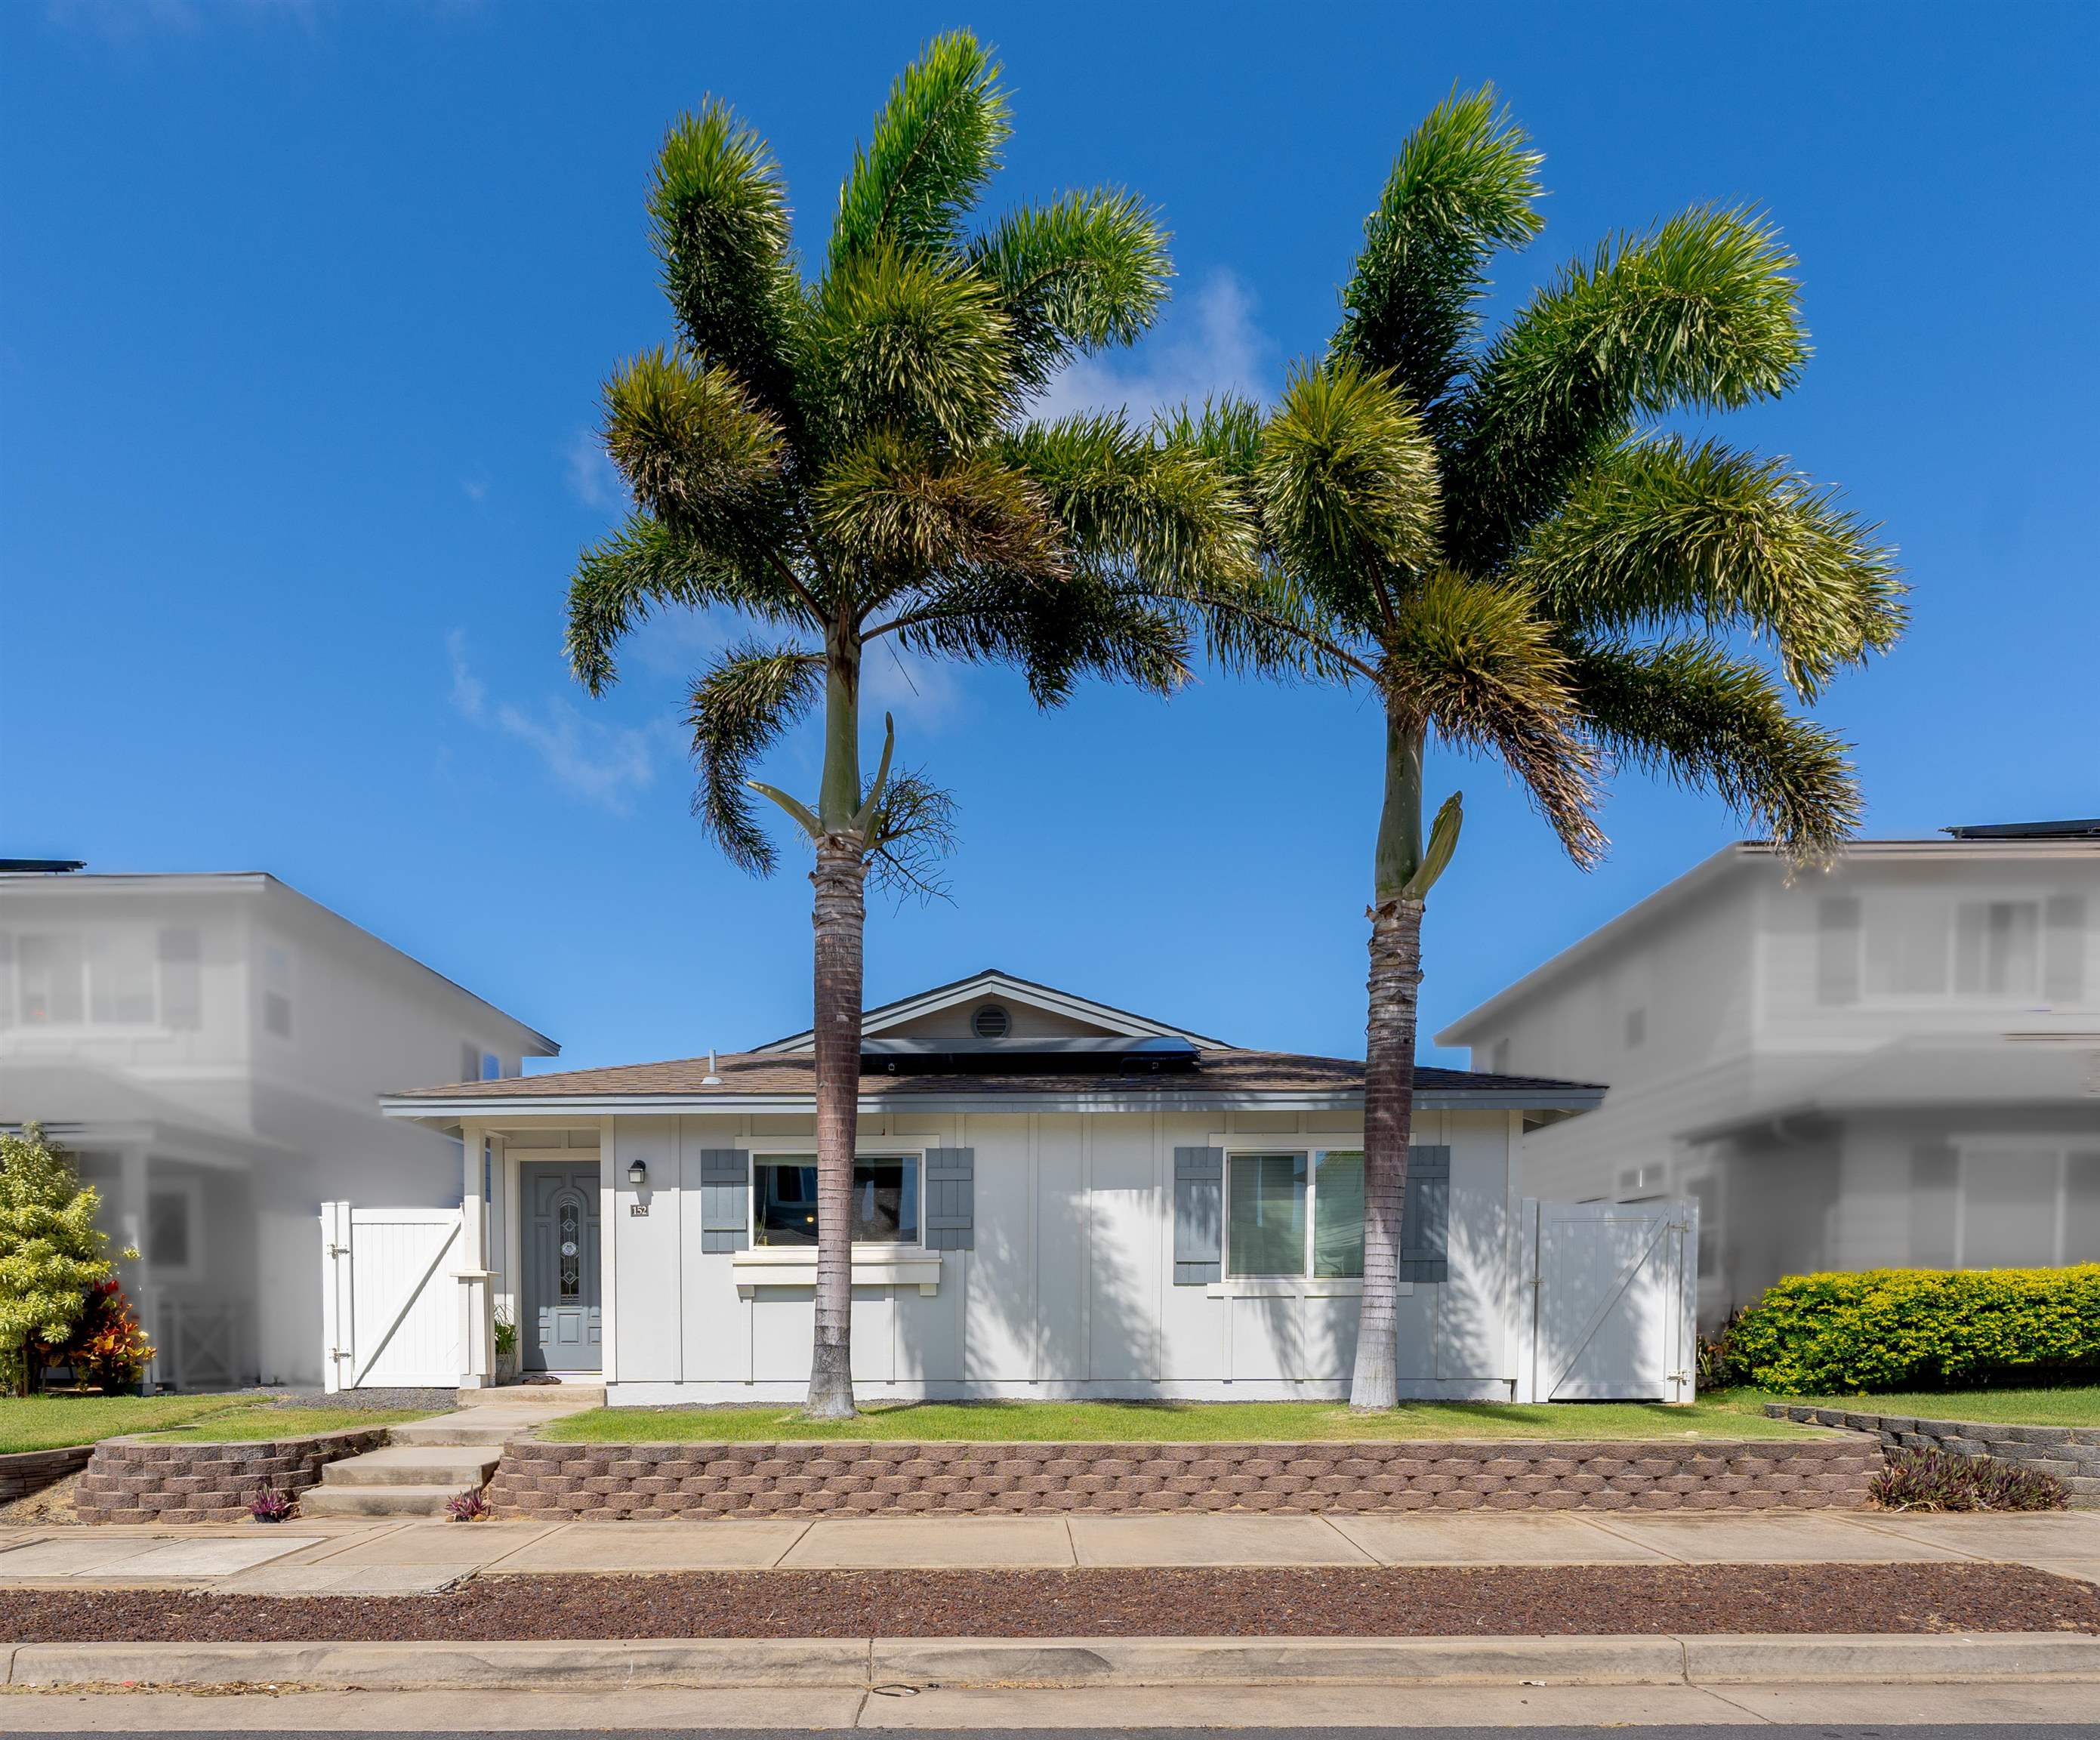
[1425,1217]
[1199,1215]
[950,1200]
[724,1199]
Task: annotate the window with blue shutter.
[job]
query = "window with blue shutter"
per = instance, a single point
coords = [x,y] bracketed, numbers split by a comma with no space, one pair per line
[951,1199]
[1199,1215]
[724,1199]
[1425,1224]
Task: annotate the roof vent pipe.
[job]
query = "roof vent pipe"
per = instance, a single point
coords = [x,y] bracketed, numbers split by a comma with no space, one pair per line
[712,1079]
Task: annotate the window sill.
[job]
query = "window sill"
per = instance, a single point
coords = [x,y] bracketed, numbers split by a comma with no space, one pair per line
[908,1266]
[1287,1288]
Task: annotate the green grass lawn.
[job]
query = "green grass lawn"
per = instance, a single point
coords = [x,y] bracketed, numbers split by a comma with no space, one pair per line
[1168,1422]
[2077,1404]
[52,1422]
[254,1425]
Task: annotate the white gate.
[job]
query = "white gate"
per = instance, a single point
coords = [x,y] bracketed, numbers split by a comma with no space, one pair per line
[390,1292]
[1614,1291]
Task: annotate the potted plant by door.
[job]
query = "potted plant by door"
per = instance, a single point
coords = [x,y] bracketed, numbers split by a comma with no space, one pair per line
[506,1346]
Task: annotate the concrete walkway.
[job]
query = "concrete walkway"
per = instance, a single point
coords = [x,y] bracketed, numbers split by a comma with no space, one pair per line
[332,1555]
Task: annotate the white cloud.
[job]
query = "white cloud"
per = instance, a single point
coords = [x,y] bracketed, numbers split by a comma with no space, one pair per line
[594,480]
[921,692]
[1206,346]
[605,765]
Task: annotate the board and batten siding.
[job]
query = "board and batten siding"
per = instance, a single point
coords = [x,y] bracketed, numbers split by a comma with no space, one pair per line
[1067,1286]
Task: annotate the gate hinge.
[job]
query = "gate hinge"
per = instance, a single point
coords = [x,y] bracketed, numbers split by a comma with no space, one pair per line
[338,1250]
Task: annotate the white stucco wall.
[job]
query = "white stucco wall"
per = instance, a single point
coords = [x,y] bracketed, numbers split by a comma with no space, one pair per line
[1069,1291]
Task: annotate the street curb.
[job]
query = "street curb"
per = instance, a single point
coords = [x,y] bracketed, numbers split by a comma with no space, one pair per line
[806,1663]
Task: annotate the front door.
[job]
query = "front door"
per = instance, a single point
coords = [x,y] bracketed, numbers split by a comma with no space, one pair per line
[563,1331]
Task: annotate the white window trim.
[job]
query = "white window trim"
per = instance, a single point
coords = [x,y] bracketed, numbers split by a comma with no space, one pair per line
[191,1190]
[1950,906]
[1975,1151]
[879,1264]
[1305,1286]
[87,1027]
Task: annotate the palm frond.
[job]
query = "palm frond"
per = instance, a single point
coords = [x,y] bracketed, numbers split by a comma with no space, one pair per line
[1702,313]
[914,833]
[695,450]
[919,345]
[1690,711]
[646,566]
[1664,531]
[935,144]
[746,698]
[1464,186]
[1349,488]
[718,219]
[1477,664]
[899,513]
[1088,271]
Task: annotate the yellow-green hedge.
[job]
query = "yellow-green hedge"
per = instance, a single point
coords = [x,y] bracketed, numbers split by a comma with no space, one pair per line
[1919,1329]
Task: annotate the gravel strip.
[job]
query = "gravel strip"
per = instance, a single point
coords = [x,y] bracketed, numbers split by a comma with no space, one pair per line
[1369,1602]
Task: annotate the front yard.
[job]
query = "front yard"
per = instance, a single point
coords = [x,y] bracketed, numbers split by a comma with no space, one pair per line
[54,1422]
[2077,1404]
[1168,1422]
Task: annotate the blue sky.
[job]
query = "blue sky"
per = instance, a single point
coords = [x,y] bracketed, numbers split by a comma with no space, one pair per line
[303,309]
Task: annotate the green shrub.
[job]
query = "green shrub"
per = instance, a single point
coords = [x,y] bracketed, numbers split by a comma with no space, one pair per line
[1920,1329]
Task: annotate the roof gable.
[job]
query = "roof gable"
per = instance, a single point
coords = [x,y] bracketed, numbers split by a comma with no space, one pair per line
[1045,1010]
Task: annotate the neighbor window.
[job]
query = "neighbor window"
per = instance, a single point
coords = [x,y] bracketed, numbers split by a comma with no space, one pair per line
[1997,948]
[120,979]
[49,970]
[169,1230]
[277,990]
[1289,1216]
[181,978]
[885,1207]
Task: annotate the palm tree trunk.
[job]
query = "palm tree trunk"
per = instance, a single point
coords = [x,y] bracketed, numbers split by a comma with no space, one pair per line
[1395,973]
[840,917]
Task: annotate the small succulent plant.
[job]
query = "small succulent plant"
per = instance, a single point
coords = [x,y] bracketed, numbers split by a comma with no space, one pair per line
[468,1506]
[267,1504]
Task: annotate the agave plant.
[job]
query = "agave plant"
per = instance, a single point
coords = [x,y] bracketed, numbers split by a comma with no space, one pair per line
[1492,539]
[843,461]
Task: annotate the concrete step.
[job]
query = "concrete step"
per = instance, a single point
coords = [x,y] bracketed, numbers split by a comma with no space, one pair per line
[377,1501]
[416,1465]
[475,1426]
[563,1397]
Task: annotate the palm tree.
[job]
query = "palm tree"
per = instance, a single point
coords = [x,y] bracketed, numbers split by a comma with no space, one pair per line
[844,461]
[1490,538]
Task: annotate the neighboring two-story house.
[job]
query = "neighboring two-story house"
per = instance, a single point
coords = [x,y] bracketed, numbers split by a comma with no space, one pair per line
[1894,1062]
[211,1048]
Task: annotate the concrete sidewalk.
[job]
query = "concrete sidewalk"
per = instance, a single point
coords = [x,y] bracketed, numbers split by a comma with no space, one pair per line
[335,1556]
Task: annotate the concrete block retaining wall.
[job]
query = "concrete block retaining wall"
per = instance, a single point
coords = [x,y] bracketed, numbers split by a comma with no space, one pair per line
[642,1481]
[2070,1453]
[32,1470]
[138,1480]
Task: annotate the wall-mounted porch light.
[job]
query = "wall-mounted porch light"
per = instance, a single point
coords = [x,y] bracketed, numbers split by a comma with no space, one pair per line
[637,1174]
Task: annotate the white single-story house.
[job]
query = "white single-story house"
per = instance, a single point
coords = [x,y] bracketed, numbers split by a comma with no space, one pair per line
[1053,1199]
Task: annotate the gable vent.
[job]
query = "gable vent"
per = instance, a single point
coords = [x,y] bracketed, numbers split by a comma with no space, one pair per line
[991,1021]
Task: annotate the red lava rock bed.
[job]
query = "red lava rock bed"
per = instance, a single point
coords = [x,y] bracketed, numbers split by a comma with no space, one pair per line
[1404,1602]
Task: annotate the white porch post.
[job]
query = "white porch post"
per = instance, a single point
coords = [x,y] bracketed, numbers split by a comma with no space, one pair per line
[477,1330]
[499,1262]
[608,1194]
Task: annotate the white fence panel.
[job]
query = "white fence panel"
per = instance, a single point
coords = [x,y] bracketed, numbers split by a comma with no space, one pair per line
[1614,1291]
[390,1297]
